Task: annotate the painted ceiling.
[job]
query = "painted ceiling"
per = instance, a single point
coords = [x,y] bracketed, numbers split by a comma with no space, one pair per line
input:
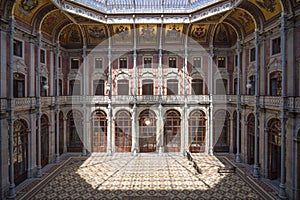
[95,32]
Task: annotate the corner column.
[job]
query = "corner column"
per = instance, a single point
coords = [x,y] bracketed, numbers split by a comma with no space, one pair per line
[134,148]
[10,109]
[57,102]
[256,172]
[211,106]
[109,120]
[84,81]
[238,108]
[282,185]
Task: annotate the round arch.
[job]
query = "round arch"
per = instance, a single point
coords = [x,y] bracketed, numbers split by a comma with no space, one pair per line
[197,131]
[99,131]
[172,131]
[147,131]
[123,138]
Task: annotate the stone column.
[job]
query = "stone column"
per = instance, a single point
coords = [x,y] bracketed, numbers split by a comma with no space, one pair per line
[134,147]
[57,101]
[282,185]
[10,109]
[32,69]
[238,109]
[185,88]
[109,119]
[65,135]
[160,85]
[256,172]
[51,82]
[84,87]
[3,62]
[211,110]
[232,132]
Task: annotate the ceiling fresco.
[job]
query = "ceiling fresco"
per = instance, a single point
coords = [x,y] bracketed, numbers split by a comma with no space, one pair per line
[26,9]
[269,8]
[96,34]
[148,34]
[71,37]
[51,21]
[122,34]
[173,33]
[244,20]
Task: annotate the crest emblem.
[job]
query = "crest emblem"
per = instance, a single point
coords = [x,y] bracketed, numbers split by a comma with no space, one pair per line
[199,32]
[97,33]
[173,33]
[26,6]
[147,32]
[122,32]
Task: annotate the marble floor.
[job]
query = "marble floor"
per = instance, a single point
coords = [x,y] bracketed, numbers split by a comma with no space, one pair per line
[144,176]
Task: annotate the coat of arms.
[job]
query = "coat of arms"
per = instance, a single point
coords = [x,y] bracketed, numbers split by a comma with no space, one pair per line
[198,32]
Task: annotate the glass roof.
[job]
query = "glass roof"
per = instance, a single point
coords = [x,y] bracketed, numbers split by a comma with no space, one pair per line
[146,6]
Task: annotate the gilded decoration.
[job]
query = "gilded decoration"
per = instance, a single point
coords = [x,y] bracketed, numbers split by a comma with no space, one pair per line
[269,8]
[122,34]
[173,33]
[25,9]
[96,34]
[71,36]
[244,19]
[221,34]
[147,33]
[199,32]
[51,21]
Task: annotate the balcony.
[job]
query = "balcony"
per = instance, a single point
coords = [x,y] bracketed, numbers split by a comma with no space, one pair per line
[268,102]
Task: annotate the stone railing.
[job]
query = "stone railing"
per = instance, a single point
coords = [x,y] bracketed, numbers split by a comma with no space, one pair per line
[270,102]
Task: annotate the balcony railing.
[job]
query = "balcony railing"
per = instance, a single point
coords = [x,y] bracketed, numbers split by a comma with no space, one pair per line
[269,102]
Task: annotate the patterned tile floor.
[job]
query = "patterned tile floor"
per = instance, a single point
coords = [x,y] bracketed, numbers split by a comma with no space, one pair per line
[145,176]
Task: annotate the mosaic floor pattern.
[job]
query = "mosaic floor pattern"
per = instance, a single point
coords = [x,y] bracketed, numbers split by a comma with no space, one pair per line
[145,176]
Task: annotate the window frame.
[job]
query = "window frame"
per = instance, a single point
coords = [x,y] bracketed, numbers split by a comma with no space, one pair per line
[43,56]
[252,57]
[74,59]
[95,63]
[272,50]
[172,58]
[22,48]
[224,60]
[120,60]
[147,64]
[200,62]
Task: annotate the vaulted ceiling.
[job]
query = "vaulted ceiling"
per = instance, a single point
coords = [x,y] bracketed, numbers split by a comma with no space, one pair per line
[57,20]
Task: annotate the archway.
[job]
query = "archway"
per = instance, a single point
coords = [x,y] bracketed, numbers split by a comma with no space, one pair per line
[20,151]
[197,131]
[44,140]
[99,127]
[274,148]
[123,131]
[221,131]
[74,130]
[172,131]
[250,138]
[147,132]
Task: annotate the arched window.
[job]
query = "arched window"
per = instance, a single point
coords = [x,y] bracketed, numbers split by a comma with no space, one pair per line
[147,87]
[274,149]
[43,85]
[172,87]
[197,131]
[123,131]
[251,139]
[98,87]
[19,85]
[61,134]
[275,84]
[172,131]
[221,86]
[44,140]
[221,131]
[197,87]
[74,87]
[74,139]
[147,132]
[20,149]
[234,134]
[123,87]
[99,137]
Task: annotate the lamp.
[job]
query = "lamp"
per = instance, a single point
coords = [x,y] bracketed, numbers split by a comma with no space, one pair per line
[45,87]
[248,85]
[147,121]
